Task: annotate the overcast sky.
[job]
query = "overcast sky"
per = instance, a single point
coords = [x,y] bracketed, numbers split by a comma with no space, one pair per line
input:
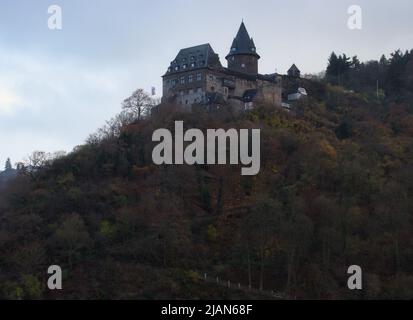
[57,87]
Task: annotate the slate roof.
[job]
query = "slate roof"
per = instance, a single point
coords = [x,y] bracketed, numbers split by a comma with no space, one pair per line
[243,44]
[293,70]
[198,57]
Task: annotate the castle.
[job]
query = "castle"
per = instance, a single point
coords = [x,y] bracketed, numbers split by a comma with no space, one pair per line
[196,76]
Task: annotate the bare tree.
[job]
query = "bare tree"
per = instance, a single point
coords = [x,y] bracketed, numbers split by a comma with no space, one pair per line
[139,104]
[37,160]
[112,128]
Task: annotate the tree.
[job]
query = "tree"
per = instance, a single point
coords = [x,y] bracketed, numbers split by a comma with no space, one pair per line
[72,236]
[338,66]
[355,63]
[259,233]
[383,61]
[112,128]
[37,160]
[332,68]
[139,104]
[8,166]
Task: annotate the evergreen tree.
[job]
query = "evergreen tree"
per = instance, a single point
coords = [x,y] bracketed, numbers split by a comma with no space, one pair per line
[355,63]
[332,68]
[8,166]
[337,68]
[383,61]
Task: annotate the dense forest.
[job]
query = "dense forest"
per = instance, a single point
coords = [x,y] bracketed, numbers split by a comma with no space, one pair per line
[335,189]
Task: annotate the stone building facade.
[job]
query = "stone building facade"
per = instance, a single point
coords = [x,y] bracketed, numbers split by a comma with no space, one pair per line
[196,76]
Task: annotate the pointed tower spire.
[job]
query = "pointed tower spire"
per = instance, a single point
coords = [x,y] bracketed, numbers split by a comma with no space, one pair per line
[243,43]
[243,56]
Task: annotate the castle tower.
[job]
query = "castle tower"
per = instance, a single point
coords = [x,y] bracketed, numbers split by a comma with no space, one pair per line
[294,72]
[243,56]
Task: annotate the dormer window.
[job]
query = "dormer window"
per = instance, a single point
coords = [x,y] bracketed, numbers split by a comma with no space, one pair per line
[253,49]
[193,65]
[233,49]
[184,66]
[176,68]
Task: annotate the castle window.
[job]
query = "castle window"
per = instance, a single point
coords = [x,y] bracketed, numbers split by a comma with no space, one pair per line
[182,80]
[233,49]
[212,89]
[199,90]
[193,65]
[190,78]
[199,77]
[243,65]
[184,66]
[176,68]
[211,78]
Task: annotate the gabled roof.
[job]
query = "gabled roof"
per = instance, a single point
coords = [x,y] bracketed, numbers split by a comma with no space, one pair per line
[197,57]
[243,43]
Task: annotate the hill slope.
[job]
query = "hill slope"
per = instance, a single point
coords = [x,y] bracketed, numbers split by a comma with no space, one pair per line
[334,190]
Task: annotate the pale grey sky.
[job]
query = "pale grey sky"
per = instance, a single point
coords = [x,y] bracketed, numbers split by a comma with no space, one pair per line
[56,87]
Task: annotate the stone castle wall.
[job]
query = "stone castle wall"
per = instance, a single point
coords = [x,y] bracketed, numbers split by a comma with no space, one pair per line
[194,87]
